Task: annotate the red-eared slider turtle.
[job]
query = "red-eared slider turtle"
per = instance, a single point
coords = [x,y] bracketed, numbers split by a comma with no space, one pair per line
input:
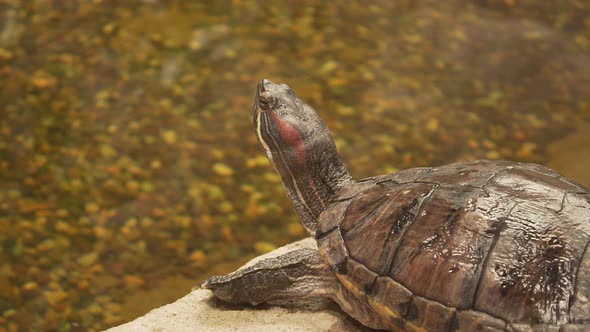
[471,246]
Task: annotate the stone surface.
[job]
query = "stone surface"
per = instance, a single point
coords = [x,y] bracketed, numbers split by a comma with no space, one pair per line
[201,311]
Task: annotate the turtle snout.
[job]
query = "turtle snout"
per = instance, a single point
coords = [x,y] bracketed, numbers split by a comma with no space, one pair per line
[263,85]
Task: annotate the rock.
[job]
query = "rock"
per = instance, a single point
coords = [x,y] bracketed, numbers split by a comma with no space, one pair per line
[262,247]
[30,286]
[197,256]
[201,311]
[222,169]
[135,281]
[54,297]
[88,259]
[168,136]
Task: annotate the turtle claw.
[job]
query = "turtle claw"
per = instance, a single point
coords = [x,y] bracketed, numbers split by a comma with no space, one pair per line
[201,285]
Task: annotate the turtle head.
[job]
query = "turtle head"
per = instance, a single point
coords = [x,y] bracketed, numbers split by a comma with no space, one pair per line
[300,148]
[287,128]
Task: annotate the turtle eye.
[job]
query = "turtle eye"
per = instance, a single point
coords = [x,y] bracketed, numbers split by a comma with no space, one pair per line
[265,102]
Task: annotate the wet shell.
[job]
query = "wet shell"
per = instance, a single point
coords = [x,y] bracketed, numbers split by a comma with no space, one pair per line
[481,245]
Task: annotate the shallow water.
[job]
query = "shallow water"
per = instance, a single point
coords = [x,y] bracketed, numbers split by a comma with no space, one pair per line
[128,157]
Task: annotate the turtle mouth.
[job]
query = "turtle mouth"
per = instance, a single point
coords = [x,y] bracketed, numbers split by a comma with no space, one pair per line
[260,120]
[261,104]
[261,101]
[256,109]
[261,87]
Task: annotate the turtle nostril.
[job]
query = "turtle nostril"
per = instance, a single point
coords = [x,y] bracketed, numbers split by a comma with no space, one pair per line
[261,85]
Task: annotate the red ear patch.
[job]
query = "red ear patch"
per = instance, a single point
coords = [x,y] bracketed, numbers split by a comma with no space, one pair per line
[291,136]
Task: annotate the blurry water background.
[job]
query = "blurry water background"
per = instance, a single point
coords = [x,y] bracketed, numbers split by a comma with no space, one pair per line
[129,168]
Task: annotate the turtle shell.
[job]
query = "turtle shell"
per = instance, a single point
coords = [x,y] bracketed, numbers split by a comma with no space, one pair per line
[481,245]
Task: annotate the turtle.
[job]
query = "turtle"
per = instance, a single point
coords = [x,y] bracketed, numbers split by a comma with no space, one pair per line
[484,245]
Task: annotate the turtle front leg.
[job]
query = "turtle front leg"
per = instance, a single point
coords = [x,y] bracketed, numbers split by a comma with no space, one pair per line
[293,274]
[296,273]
